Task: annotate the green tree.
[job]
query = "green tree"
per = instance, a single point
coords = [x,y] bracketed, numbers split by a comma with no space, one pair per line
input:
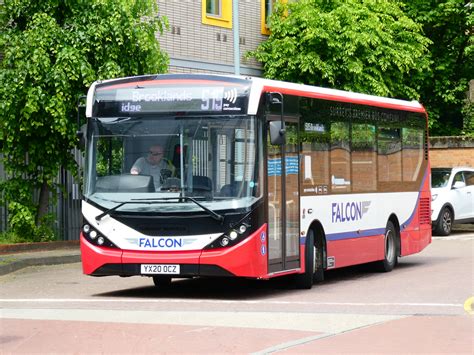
[367,46]
[53,50]
[449,25]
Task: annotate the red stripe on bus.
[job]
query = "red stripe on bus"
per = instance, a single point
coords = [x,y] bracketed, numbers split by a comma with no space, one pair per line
[333,97]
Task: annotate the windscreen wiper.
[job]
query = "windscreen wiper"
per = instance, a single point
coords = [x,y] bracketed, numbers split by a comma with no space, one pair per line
[132,201]
[218,217]
[102,215]
[213,214]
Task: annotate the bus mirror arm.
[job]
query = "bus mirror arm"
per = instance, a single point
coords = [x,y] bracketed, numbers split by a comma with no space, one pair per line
[277,129]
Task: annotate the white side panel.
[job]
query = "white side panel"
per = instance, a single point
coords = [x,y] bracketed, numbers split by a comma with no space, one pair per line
[127,238]
[254,97]
[358,215]
[90,99]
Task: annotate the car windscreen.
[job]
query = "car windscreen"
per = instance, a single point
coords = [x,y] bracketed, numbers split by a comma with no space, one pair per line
[440,177]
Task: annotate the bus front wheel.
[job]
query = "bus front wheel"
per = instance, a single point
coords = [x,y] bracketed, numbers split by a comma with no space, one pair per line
[313,264]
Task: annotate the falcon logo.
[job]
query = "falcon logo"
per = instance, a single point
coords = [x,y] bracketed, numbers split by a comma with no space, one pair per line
[161,243]
[349,211]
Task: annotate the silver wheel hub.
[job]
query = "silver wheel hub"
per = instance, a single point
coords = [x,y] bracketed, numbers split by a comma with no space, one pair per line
[389,246]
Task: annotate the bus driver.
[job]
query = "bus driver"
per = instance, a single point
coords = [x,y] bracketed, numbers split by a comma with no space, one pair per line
[154,165]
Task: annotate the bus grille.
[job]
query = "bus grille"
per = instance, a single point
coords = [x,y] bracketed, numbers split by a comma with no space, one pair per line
[424,213]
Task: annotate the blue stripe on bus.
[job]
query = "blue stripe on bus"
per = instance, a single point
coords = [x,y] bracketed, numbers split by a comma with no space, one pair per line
[355,234]
[349,235]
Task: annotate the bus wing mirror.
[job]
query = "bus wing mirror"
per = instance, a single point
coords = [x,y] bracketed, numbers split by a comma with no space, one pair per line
[81,135]
[277,132]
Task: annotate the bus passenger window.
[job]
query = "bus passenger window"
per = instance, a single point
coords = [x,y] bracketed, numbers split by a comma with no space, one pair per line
[389,155]
[364,159]
[340,158]
[315,153]
[412,154]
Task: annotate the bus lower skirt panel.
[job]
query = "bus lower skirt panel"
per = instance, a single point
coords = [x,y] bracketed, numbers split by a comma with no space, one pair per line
[187,270]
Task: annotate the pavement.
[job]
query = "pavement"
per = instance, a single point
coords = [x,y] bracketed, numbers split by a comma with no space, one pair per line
[14,257]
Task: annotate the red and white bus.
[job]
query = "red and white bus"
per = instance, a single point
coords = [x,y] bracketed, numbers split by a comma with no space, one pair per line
[258,179]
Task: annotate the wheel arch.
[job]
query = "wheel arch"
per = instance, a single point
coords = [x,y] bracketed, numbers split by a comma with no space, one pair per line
[451,208]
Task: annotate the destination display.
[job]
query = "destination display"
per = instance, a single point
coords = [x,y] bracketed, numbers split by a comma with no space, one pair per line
[136,100]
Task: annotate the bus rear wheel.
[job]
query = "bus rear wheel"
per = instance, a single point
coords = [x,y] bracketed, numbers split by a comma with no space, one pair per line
[391,252]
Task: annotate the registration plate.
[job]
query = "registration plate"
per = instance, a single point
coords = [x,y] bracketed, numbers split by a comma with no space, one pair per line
[159,269]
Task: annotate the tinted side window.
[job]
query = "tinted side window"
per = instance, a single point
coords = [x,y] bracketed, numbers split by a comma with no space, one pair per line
[469,176]
[389,154]
[412,154]
[340,158]
[364,158]
[458,177]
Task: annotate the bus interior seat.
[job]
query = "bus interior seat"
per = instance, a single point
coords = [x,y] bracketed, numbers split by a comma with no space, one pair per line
[171,184]
[202,183]
[233,189]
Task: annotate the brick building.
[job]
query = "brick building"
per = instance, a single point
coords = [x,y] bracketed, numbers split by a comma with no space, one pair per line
[201,39]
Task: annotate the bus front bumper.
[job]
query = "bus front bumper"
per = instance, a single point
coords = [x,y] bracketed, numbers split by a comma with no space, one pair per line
[246,259]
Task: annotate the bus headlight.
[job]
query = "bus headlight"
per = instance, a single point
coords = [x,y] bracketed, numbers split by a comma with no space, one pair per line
[94,237]
[225,242]
[232,237]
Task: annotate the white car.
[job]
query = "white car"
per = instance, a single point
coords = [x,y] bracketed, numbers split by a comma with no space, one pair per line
[452,198]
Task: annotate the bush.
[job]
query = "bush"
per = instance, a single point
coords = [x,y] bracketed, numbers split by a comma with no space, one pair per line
[22,226]
[468,124]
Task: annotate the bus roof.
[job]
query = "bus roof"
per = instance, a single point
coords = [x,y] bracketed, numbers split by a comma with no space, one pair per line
[259,86]
[336,95]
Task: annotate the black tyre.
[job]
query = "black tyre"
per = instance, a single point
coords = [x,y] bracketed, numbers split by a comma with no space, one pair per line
[313,265]
[162,281]
[391,249]
[445,222]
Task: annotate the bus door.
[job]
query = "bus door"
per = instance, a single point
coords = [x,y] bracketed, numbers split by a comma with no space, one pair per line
[283,199]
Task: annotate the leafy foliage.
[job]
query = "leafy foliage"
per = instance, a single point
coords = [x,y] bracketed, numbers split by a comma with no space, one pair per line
[23,224]
[468,115]
[53,50]
[368,46]
[449,25]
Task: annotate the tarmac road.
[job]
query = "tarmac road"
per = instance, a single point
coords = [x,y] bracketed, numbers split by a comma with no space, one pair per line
[420,307]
